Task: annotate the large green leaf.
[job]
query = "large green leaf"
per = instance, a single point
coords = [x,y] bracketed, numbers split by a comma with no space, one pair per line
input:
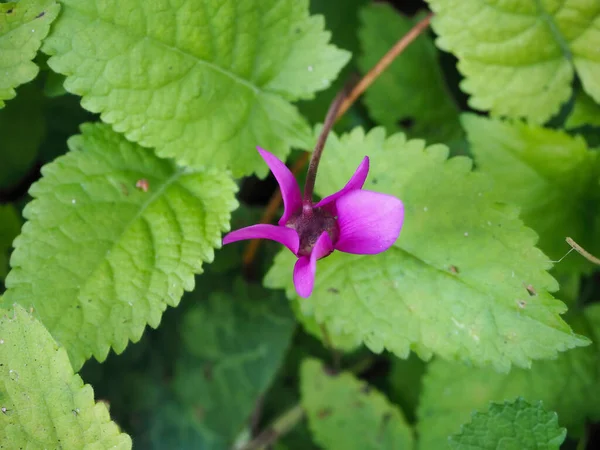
[347,413]
[569,385]
[10,224]
[455,282]
[411,95]
[22,129]
[203,81]
[23,25]
[549,174]
[519,57]
[99,258]
[44,404]
[511,426]
[234,344]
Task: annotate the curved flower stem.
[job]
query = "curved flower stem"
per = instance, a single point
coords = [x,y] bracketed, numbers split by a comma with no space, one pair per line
[311,174]
[359,88]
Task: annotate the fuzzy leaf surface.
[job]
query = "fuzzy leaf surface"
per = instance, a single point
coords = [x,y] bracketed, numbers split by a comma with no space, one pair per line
[412,91]
[23,26]
[99,258]
[519,58]
[202,81]
[569,385]
[511,426]
[344,412]
[44,404]
[454,282]
[548,174]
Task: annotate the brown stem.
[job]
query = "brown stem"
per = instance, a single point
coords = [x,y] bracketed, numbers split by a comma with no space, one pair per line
[311,174]
[359,88]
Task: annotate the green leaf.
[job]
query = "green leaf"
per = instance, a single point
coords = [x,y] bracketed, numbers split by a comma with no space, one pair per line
[569,385]
[344,412]
[23,26]
[99,258]
[234,342]
[585,112]
[455,281]
[548,174]
[519,57]
[44,404]
[10,224]
[511,426]
[22,127]
[411,95]
[203,82]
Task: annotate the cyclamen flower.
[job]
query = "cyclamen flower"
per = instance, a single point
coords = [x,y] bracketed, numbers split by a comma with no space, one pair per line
[352,220]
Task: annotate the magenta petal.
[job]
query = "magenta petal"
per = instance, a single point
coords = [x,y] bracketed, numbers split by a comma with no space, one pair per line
[290,192]
[356,182]
[283,235]
[369,222]
[306,267]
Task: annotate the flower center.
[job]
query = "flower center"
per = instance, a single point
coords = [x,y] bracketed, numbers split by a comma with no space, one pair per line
[310,225]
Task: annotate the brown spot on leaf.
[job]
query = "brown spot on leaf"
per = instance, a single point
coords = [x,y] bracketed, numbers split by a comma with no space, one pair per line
[142,184]
[333,290]
[40,15]
[522,303]
[322,413]
[530,290]
[453,269]
[207,371]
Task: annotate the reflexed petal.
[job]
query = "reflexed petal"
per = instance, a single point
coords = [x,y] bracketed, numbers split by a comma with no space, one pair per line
[306,267]
[369,222]
[356,182]
[290,192]
[283,235]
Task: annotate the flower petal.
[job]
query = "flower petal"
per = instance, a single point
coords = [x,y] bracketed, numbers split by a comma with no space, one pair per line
[369,222]
[306,267]
[283,235]
[356,182]
[290,191]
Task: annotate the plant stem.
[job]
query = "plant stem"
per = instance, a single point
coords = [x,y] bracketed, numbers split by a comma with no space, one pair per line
[311,174]
[359,88]
[282,425]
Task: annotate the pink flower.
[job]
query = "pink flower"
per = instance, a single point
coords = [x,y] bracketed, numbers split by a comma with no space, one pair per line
[352,221]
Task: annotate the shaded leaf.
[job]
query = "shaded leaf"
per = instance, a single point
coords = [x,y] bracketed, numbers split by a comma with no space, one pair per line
[517,425]
[344,412]
[10,224]
[201,81]
[44,404]
[455,282]
[519,58]
[23,26]
[99,258]
[585,112]
[411,95]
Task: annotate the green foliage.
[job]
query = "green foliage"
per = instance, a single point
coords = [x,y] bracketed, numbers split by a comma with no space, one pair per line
[202,82]
[99,258]
[411,95]
[44,405]
[519,58]
[585,112]
[10,224]
[455,283]
[511,426]
[22,127]
[194,382]
[344,412]
[569,385]
[23,25]
[234,344]
[549,174]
